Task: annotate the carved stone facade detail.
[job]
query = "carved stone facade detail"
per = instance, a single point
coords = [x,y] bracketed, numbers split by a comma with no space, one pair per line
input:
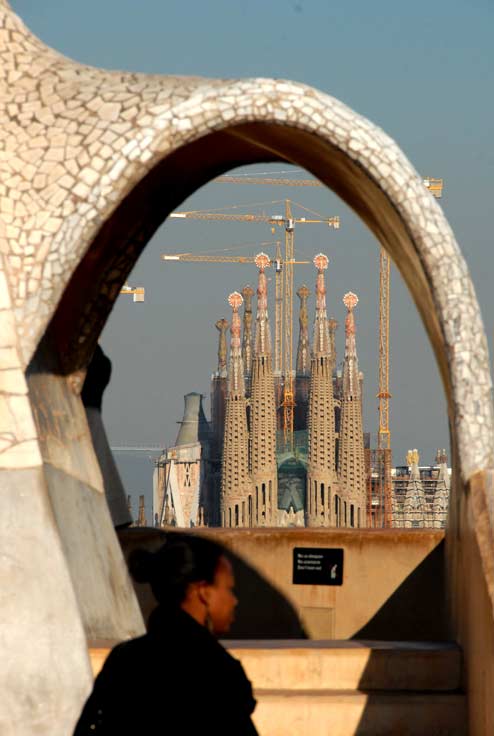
[236,483]
[264,469]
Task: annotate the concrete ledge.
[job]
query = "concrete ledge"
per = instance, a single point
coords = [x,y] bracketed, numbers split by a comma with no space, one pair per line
[346,713]
[338,665]
[352,665]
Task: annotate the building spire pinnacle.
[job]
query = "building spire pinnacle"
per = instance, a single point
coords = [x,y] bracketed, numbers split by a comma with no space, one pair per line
[247,293]
[351,460]
[236,372]
[351,384]
[321,332]
[222,326]
[321,475]
[264,469]
[263,336]
[303,351]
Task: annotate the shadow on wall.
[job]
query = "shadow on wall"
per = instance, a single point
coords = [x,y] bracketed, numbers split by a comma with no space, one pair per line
[407,612]
[272,616]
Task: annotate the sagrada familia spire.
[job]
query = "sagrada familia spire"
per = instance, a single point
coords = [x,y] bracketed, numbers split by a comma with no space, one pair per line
[321,477]
[351,460]
[247,293]
[263,463]
[236,484]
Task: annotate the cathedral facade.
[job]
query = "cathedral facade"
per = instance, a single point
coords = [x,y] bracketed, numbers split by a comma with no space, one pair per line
[237,471]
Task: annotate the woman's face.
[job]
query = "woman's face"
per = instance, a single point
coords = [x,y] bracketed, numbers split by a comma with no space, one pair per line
[221,597]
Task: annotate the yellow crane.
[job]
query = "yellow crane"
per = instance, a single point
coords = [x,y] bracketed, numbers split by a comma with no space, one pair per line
[435,186]
[226,179]
[192,258]
[283,353]
[137,292]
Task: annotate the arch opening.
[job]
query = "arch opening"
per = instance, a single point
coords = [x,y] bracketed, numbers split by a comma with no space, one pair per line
[57,369]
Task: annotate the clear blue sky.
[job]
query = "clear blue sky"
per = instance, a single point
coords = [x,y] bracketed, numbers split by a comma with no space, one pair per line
[423,71]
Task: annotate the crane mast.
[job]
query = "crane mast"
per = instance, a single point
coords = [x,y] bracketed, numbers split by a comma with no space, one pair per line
[278,309]
[385,483]
[384,435]
[288,392]
[250,260]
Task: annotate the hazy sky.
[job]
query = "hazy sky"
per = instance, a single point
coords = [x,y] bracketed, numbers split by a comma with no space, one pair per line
[422,71]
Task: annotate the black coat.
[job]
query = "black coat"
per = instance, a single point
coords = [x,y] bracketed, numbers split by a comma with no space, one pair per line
[177,680]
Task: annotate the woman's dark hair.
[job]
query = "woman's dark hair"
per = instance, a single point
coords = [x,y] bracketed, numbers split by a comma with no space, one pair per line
[183,559]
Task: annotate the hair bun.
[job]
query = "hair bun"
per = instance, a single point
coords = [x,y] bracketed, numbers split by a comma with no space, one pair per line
[141,563]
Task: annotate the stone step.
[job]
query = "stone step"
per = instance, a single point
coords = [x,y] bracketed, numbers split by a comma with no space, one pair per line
[349,665]
[352,713]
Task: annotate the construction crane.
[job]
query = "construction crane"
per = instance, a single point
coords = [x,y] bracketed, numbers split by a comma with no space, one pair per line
[283,353]
[435,186]
[137,293]
[191,258]
[268,180]
[384,434]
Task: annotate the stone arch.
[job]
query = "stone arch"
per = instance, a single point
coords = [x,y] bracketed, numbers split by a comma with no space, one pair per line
[360,164]
[96,160]
[352,157]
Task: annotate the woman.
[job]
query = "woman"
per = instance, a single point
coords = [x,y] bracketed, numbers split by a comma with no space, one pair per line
[177,679]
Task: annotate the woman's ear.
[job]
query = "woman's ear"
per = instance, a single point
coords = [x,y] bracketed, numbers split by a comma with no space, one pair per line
[204,593]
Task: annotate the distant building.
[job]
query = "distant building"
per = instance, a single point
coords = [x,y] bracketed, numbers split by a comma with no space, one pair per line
[182,476]
[420,492]
[238,472]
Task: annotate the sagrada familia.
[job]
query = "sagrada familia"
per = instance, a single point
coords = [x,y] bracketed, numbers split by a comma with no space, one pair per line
[232,473]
